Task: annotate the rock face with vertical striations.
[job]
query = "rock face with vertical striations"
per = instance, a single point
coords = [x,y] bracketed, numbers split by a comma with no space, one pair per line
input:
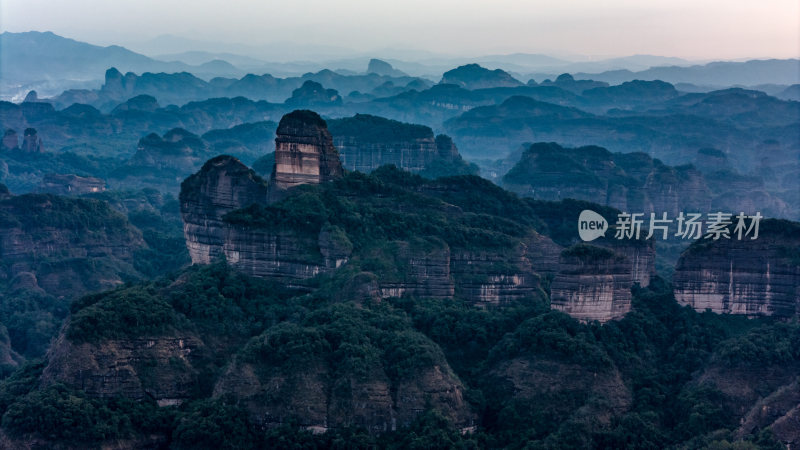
[594,282]
[759,277]
[222,185]
[304,155]
[304,151]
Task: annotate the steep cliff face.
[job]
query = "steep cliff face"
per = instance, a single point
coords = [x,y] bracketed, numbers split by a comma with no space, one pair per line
[490,277]
[759,277]
[222,185]
[594,283]
[31,142]
[304,151]
[367,142]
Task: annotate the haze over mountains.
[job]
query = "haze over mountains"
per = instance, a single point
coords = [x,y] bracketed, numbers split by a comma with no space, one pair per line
[41,61]
[217,249]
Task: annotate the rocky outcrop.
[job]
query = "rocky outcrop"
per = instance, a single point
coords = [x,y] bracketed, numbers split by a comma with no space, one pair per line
[423,270]
[367,142]
[159,367]
[222,185]
[305,154]
[594,282]
[632,182]
[304,151]
[70,184]
[31,142]
[754,277]
[488,277]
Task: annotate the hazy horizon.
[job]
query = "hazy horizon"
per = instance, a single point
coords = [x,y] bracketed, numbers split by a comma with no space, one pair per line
[579,30]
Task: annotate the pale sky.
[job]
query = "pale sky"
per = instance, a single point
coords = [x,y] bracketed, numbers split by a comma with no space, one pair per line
[692,29]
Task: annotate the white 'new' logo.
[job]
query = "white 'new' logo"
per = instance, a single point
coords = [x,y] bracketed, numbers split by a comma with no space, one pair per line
[591,225]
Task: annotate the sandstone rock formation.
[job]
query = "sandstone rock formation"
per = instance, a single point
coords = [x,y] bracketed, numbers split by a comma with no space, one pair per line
[158,367]
[31,97]
[31,142]
[758,277]
[367,142]
[594,282]
[222,185]
[70,184]
[304,151]
[304,154]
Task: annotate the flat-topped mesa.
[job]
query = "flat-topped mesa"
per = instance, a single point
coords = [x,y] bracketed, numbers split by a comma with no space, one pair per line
[753,277]
[366,142]
[304,151]
[594,281]
[222,185]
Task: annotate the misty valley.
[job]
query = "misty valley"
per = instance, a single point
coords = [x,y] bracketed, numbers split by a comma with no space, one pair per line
[196,253]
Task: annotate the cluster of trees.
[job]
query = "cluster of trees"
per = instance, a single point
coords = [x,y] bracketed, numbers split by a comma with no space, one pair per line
[655,352]
[656,349]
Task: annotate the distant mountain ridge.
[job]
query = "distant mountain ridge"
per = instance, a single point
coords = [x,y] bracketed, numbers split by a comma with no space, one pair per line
[49,63]
[716,74]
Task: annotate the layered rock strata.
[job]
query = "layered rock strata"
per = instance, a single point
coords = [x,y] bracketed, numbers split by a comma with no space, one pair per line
[304,151]
[222,185]
[754,277]
[594,283]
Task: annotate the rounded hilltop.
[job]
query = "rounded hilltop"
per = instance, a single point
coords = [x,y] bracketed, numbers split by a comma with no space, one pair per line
[301,122]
